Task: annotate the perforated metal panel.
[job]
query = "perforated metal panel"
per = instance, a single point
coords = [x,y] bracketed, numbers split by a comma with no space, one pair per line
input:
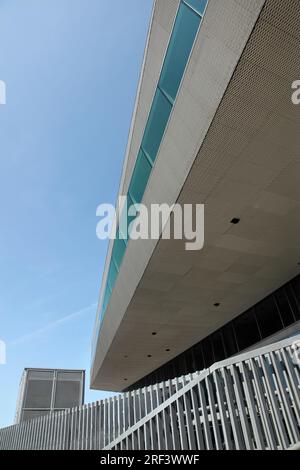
[38,393]
[45,391]
[68,389]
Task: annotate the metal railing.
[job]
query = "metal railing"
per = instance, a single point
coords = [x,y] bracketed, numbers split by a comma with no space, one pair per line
[251,401]
[91,426]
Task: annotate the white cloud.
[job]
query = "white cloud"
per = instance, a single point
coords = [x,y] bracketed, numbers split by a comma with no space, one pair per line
[50,326]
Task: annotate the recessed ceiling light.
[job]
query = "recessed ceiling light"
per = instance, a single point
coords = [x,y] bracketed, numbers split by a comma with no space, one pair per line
[235,221]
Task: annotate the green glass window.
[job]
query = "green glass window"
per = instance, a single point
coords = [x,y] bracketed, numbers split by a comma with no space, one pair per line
[284,306]
[106,299]
[156,125]
[182,39]
[208,352]
[218,347]
[198,5]
[112,276]
[229,339]
[268,317]
[140,177]
[246,329]
[181,42]
[130,218]
[125,221]
[118,251]
[122,226]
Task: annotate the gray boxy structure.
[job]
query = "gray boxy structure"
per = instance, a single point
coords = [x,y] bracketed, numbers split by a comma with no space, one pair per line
[44,391]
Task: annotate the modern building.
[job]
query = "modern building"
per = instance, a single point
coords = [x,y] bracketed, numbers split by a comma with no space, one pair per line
[213,124]
[45,391]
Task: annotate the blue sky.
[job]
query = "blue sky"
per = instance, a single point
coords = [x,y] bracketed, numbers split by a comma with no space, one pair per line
[71,69]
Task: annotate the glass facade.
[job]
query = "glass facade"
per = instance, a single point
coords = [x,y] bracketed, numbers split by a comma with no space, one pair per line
[187,22]
[181,43]
[156,125]
[274,313]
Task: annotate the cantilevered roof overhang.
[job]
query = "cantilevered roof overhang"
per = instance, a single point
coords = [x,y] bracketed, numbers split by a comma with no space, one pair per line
[233,144]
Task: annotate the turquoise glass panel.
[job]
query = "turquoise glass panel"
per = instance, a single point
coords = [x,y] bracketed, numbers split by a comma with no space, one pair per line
[130,218]
[181,42]
[182,39]
[106,299]
[102,313]
[125,221]
[140,177]
[156,125]
[198,5]
[112,276]
[118,251]
[122,226]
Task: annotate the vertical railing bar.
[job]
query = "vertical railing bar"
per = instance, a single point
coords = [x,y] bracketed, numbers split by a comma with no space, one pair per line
[91,421]
[166,420]
[45,432]
[66,446]
[151,421]
[236,426]
[146,425]
[221,399]
[203,406]
[72,437]
[180,416]
[282,437]
[159,417]
[30,434]
[40,433]
[213,414]
[188,416]
[289,417]
[101,425]
[269,431]
[35,435]
[196,412]
[256,425]
[241,408]
[292,378]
